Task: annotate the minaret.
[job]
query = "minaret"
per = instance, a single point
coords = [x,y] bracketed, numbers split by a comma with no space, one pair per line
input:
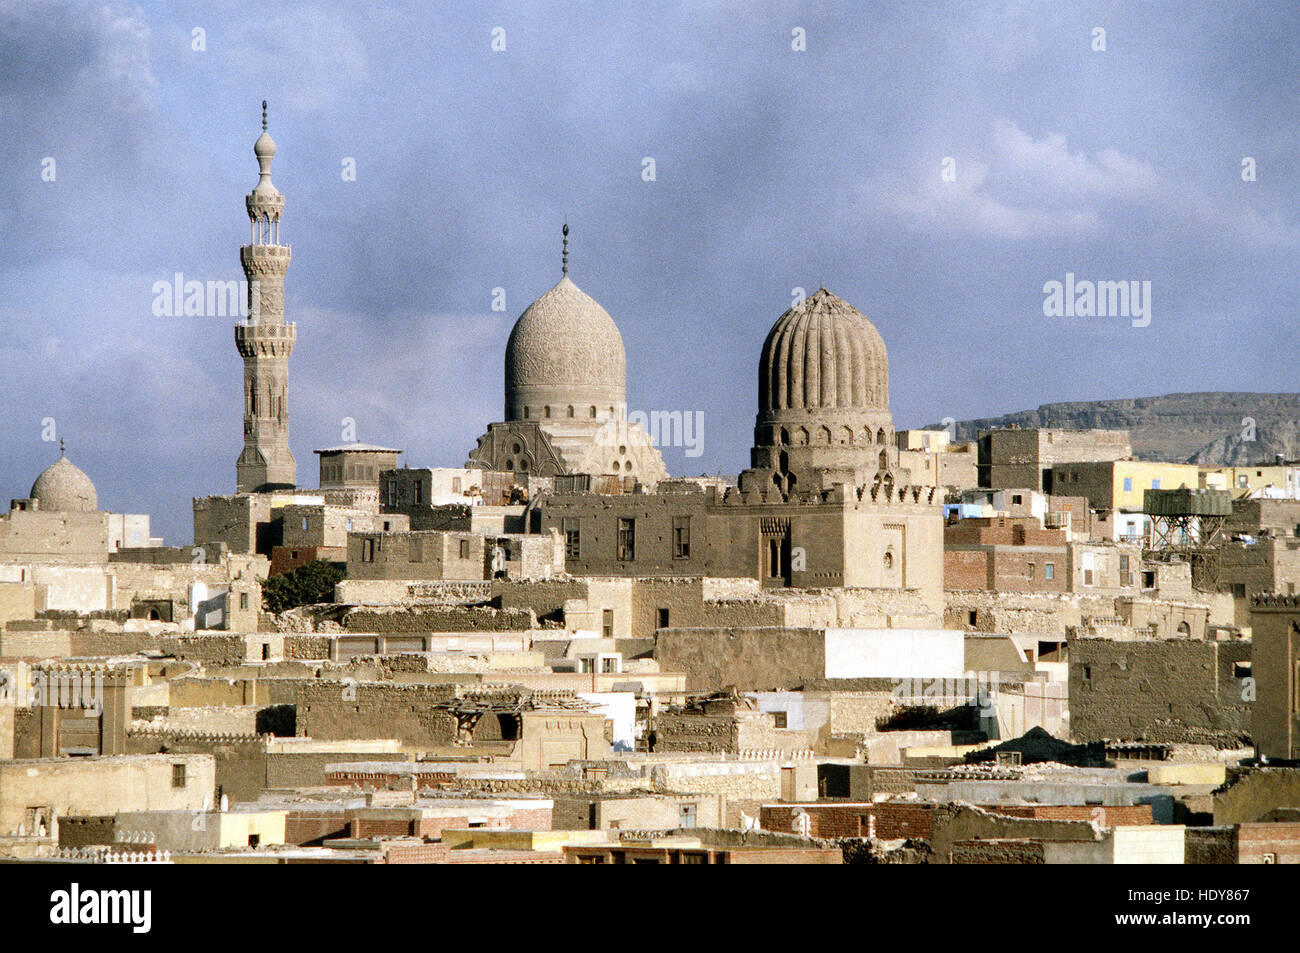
[264,340]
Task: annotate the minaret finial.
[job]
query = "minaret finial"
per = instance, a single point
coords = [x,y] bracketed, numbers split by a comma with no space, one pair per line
[264,115]
[564,262]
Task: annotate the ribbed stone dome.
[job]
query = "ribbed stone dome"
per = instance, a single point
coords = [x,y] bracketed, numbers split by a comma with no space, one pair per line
[565,350]
[823,398]
[64,487]
[823,353]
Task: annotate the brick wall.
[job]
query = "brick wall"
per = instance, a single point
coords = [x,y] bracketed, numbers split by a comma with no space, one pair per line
[310,826]
[895,820]
[965,569]
[415,853]
[1110,816]
[1169,691]
[1255,841]
[824,820]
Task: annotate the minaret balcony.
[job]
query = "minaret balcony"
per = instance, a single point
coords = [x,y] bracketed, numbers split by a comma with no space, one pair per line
[265,340]
[251,331]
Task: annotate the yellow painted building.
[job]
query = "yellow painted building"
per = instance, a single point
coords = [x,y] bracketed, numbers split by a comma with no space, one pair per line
[1243,481]
[1120,484]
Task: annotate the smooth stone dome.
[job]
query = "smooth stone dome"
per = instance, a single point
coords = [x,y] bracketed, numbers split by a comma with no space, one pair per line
[564,349]
[63,487]
[823,354]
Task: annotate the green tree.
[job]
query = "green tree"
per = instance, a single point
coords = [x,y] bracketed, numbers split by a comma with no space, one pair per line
[307,585]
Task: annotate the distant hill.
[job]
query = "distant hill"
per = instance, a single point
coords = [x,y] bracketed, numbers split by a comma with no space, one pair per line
[1211,428]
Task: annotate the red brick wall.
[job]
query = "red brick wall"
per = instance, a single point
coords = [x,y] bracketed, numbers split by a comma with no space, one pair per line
[825,820]
[505,857]
[1118,816]
[415,853]
[529,819]
[965,569]
[305,827]
[382,827]
[1003,531]
[283,560]
[903,819]
[434,826]
[1011,571]
[794,855]
[1256,840]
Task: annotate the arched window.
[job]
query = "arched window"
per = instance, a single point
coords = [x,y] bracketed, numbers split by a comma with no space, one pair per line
[570,410]
[880,436]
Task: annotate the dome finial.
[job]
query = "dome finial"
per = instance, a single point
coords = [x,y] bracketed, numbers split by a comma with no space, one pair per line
[62,450]
[264,115]
[564,261]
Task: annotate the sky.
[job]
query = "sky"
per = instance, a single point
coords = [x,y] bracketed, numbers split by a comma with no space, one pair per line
[935,164]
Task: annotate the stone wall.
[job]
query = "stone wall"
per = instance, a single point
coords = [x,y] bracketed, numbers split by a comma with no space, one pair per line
[954,823]
[1162,691]
[383,592]
[751,659]
[239,759]
[90,642]
[998,852]
[336,710]
[438,619]
[1255,793]
[1210,845]
[1048,614]
[731,733]
[635,812]
[101,786]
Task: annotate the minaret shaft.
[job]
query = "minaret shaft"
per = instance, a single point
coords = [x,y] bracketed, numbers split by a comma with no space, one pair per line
[265,341]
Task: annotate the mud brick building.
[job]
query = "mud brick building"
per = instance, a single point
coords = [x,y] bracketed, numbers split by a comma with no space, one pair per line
[1164,691]
[1275,623]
